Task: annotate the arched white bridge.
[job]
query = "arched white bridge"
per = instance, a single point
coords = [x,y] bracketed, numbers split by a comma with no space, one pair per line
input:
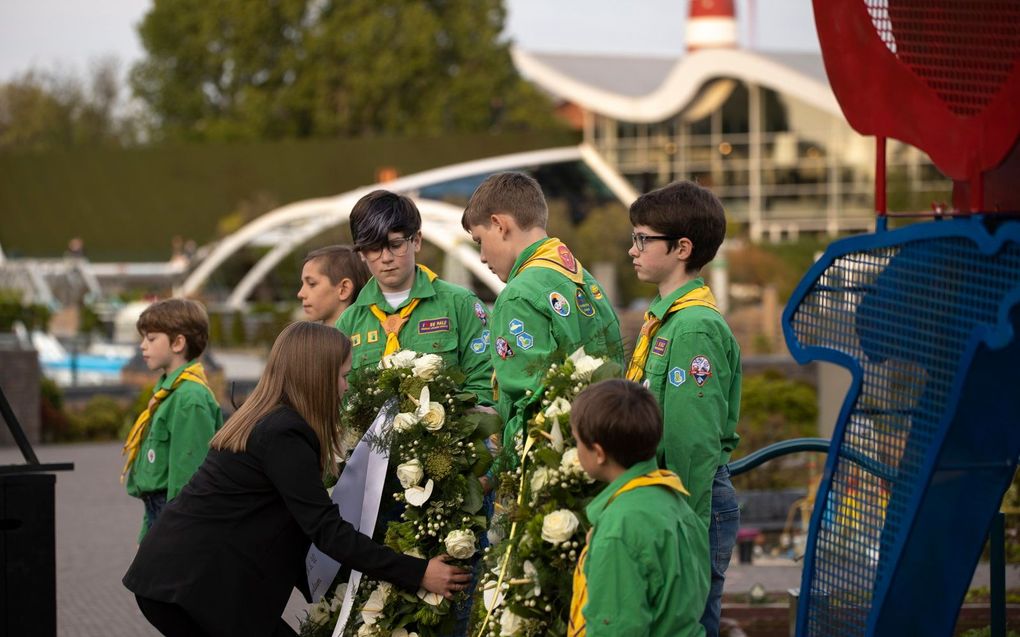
[298,222]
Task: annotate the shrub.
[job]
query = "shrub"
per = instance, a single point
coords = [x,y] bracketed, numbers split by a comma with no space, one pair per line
[101,419]
[774,408]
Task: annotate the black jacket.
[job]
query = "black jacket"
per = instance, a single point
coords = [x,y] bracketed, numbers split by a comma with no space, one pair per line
[231,546]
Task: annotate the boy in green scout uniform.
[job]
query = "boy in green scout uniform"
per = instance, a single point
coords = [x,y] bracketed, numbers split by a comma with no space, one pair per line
[550,306]
[170,438]
[687,356]
[404,305]
[644,570]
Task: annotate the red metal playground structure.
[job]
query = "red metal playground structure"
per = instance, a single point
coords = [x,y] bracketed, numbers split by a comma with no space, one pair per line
[927,320]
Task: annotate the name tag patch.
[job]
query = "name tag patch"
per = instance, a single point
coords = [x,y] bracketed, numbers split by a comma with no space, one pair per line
[431,326]
[659,348]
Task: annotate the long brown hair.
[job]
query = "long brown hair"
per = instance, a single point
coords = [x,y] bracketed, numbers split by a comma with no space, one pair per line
[302,372]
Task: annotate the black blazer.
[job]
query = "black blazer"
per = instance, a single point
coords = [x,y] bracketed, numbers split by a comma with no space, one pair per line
[231,546]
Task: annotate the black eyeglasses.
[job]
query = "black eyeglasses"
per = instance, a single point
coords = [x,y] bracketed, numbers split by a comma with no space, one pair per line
[397,247]
[639,239]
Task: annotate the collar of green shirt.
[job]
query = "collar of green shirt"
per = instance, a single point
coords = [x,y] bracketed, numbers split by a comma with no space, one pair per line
[660,305]
[372,295]
[524,256]
[167,380]
[598,505]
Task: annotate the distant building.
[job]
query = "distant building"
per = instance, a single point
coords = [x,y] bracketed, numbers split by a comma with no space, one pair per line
[763,130]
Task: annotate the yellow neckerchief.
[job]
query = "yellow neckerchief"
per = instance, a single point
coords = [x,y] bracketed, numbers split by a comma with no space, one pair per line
[700,296]
[579,597]
[555,255]
[196,374]
[391,323]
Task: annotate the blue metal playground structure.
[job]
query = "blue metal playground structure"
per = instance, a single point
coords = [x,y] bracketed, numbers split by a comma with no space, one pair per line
[927,320]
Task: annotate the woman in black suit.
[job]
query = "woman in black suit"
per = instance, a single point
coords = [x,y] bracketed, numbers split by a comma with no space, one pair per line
[224,555]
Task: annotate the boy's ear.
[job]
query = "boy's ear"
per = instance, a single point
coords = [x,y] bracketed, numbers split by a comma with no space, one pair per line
[502,222]
[601,457]
[178,344]
[684,249]
[346,290]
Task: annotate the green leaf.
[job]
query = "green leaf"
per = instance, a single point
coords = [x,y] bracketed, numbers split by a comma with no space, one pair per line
[487,424]
[609,369]
[484,459]
[473,496]
[548,456]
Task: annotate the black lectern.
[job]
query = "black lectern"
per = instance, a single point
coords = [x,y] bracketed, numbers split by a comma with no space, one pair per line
[28,585]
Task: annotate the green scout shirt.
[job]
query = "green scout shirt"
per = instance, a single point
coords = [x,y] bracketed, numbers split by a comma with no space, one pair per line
[449,320]
[693,369]
[647,566]
[541,313]
[177,439]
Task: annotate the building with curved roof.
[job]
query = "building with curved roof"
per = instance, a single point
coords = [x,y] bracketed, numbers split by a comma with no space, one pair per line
[763,130]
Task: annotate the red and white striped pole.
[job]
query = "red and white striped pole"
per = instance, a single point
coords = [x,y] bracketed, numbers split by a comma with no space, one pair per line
[711,24]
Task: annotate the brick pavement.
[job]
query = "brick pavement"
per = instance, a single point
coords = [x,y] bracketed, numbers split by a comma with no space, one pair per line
[97,525]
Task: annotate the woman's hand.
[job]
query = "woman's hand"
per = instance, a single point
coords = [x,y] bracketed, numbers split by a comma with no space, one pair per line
[444,579]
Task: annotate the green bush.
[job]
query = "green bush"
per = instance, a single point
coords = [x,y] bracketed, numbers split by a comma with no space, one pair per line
[774,408]
[12,311]
[53,420]
[101,419]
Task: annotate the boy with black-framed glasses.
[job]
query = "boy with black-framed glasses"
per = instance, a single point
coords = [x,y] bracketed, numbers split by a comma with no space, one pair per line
[687,357]
[405,305]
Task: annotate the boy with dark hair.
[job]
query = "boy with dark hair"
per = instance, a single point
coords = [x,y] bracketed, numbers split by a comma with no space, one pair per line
[171,436]
[687,356]
[331,279]
[550,305]
[644,570]
[405,305]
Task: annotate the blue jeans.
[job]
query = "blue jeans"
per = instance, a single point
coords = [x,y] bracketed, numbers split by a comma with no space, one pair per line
[154,503]
[463,608]
[722,535]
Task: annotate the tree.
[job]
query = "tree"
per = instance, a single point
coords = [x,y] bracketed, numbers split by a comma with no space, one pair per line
[231,69]
[42,110]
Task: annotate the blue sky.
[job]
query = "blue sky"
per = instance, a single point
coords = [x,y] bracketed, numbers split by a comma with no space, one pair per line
[68,34]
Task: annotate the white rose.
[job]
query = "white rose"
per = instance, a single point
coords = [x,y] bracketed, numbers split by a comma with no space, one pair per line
[432,599]
[558,526]
[338,597]
[434,417]
[570,463]
[374,604]
[417,496]
[399,360]
[510,624]
[584,365]
[404,421]
[460,544]
[366,630]
[540,479]
[410,473]
[427,365]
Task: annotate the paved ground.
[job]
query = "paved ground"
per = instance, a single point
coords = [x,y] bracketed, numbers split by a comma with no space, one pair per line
[97,525]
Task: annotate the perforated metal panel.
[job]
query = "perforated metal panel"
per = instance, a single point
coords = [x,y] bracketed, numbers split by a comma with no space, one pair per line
[906,315]
[963,50]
